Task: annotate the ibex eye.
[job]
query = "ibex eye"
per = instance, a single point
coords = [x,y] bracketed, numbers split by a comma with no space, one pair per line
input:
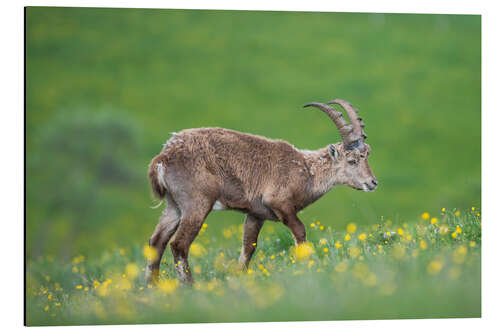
[352,162]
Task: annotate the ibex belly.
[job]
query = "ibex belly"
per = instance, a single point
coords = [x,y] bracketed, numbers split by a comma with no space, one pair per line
[255,208]
[218,206]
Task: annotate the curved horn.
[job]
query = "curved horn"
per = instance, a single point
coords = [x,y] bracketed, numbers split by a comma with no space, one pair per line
[346,130]
[352,112]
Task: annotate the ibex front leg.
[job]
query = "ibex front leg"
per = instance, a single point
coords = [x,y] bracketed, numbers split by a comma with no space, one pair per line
[296,227]
[251,229]
[287,214]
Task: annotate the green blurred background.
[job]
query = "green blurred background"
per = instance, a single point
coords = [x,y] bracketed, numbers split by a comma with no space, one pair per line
[105,87]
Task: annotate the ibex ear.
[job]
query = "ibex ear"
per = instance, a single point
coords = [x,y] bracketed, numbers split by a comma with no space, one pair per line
[333,152]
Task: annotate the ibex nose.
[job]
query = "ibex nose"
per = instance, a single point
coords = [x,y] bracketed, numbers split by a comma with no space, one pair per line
[374,182]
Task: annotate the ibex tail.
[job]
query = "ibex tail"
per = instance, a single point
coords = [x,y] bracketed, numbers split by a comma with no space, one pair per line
[157,171]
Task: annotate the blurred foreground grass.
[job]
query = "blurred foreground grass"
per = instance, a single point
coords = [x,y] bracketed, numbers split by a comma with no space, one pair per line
[427,268]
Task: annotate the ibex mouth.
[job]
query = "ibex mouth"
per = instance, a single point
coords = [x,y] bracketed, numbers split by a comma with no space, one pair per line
[369,188]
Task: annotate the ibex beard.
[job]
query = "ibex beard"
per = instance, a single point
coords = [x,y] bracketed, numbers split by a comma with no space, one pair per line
[205,169]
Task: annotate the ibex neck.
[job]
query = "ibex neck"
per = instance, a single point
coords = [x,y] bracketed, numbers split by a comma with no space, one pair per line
[322,170]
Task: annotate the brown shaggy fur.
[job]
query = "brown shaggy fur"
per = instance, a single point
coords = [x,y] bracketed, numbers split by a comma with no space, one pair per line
[202,169]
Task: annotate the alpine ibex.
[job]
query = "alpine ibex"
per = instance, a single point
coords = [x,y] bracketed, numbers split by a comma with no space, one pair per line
[205,169]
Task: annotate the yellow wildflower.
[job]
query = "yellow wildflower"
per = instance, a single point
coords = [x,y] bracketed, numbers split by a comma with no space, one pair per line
[197,249]
[362,236]
[354,251]
[454,234]
[425,216]
[325,250]
[360,270]
[351,228]
[443,230]
[124,285]
[303,250]
[338,245]
[132,270]
[443,210]
[400,231]
[473,208]
[323,241]
[341,267]
[347,237]
[434,220]
[227,233]
[250,271]
[459,229]
[168,286]
[150,253]
[434,267]
[459,255]
[370,280]
[457,213]
[472,244]
[387,289]
[79,286]
[423,245]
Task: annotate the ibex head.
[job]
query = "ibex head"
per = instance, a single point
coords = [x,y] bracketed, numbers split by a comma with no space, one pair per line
[351,155]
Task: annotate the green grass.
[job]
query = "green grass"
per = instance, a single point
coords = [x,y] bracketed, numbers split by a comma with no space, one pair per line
[427,268]
[415,79]
[105,87]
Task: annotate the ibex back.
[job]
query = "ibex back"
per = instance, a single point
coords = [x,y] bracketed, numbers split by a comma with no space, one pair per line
[205,169]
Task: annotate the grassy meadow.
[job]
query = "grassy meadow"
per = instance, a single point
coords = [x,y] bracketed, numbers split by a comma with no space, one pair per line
[106,87]
[429,268]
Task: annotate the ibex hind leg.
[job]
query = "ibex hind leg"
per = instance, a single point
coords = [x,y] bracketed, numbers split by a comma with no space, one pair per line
[189,227]
[166,227]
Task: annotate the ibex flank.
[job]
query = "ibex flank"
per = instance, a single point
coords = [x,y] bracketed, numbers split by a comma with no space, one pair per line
[205,169]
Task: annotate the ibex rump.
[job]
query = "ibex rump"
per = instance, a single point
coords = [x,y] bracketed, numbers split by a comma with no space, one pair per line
[205,169]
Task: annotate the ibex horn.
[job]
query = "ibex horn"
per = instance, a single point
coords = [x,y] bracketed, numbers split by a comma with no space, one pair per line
[350,139]
[352,113]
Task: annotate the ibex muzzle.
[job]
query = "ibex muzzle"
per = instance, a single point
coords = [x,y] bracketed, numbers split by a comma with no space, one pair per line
[205,169]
